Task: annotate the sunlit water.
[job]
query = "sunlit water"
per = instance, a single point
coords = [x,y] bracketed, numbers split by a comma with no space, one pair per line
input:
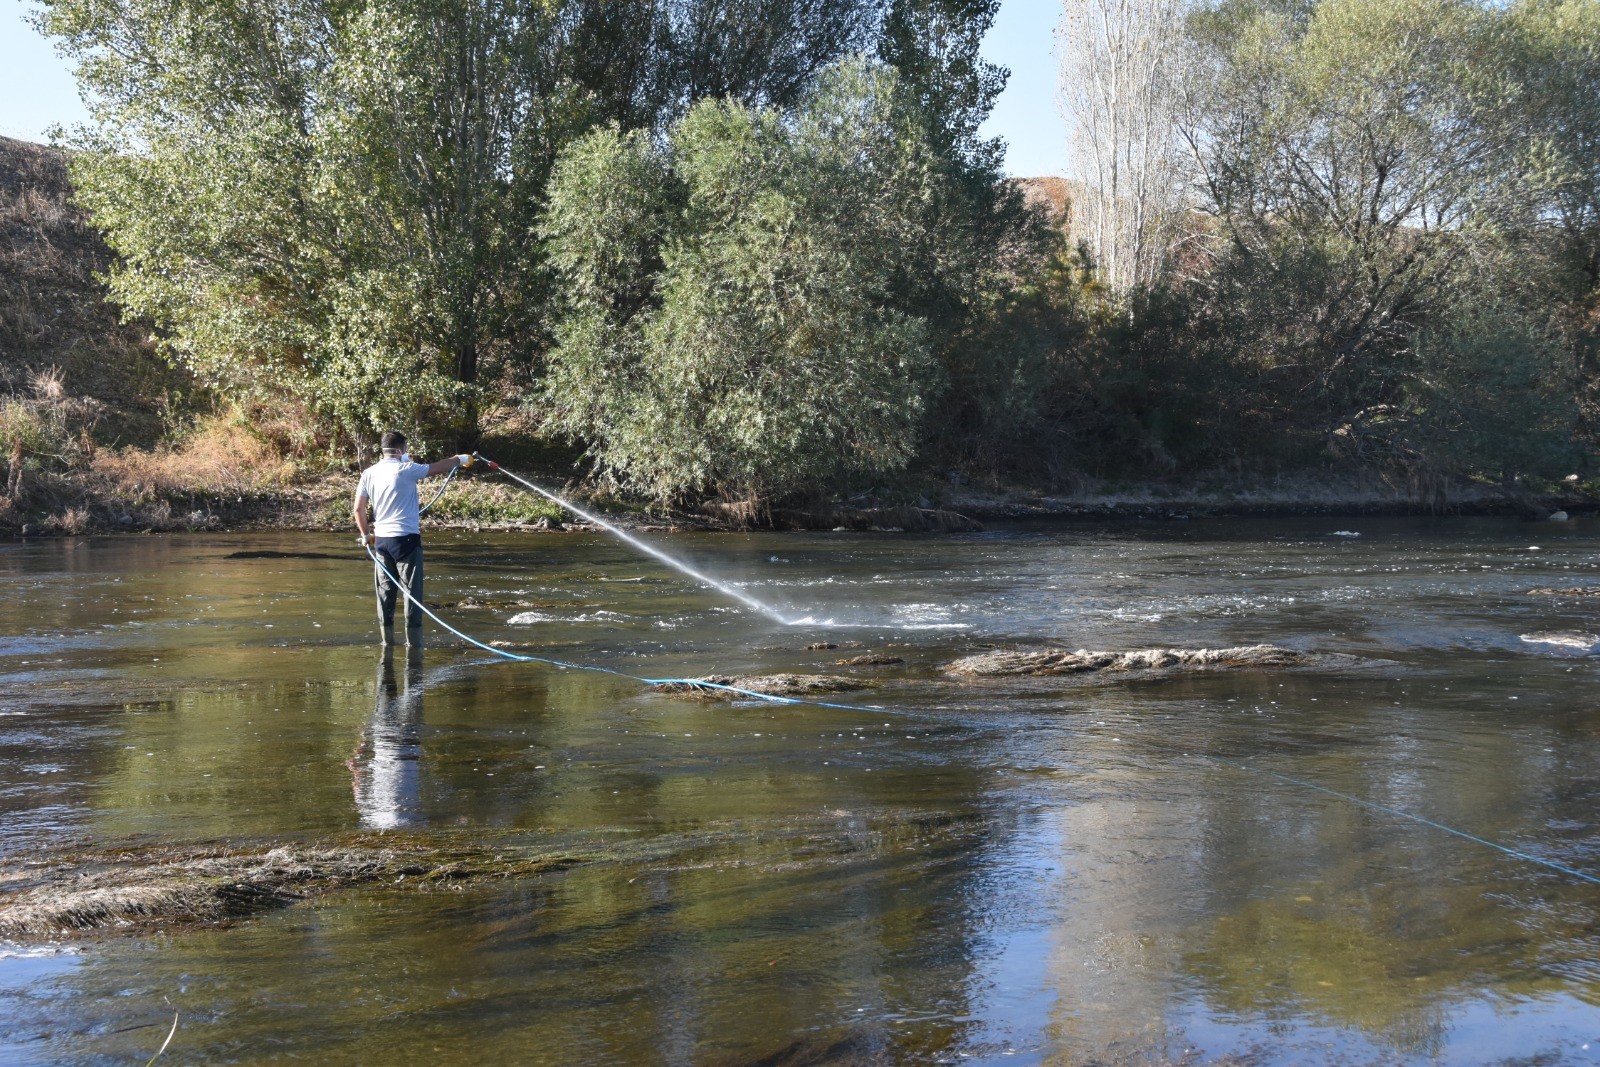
[1088,871]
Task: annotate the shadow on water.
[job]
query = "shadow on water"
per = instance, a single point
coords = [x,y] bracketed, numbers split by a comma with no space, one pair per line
[1007,872]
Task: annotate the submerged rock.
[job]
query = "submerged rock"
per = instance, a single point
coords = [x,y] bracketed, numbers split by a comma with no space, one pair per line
[1578,590]
[778,685]
[1061,661]
[869,661]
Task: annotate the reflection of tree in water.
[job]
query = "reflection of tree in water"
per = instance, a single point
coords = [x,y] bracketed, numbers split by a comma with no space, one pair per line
[1391,958]
[386,768]
[1362,964]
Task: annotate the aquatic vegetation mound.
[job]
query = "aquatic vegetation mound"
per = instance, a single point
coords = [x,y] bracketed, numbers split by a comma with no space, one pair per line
[1062,661]
[870,660]
[780,685]
[139,887]
[175,886]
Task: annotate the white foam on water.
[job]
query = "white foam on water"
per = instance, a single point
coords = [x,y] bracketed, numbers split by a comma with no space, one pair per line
[836,624]
[920,616]
[531,618]
[923,616]
[1563,639]
[36,952]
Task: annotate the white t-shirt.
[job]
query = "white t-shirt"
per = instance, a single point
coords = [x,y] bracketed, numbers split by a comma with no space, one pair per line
[391,485]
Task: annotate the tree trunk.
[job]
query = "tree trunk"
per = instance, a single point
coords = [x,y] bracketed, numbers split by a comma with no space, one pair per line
[467,435]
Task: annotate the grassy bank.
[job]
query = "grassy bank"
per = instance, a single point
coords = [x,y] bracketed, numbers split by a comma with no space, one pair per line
[224,479]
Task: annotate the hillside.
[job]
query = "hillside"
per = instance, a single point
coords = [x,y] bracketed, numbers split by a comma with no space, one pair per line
[1054,195]
[53,310]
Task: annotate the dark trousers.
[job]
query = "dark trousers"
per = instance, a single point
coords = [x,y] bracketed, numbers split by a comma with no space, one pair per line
[402,556]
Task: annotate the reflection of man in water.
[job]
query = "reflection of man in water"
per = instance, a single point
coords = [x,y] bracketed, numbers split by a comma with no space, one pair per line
[387,765]
[390,486]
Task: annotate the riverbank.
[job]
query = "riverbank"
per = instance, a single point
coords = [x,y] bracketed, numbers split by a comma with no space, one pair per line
[1330,495]
[91,505]
[135,492]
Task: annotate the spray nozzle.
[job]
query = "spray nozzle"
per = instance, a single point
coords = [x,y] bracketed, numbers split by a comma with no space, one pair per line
[491,464]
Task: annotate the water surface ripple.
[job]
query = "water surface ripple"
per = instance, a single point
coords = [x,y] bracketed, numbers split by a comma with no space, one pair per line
[1078,871]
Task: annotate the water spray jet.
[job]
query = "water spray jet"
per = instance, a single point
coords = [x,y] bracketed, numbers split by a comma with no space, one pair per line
[650,550]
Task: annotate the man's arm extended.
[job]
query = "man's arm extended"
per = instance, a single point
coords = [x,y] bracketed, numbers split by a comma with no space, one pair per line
[448,463]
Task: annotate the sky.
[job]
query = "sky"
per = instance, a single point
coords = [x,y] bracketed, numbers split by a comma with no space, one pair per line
[37,90]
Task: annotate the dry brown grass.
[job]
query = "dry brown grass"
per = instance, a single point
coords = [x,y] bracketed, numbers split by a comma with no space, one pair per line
[223,455]
[60,479]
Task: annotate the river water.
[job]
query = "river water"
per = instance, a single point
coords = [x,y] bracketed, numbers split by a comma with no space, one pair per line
[1137,869]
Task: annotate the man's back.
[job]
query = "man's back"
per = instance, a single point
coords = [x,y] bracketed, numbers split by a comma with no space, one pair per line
[391,485]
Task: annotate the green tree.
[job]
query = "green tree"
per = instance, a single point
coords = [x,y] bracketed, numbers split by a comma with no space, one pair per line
[1362,171]
[1351,161]
[737,321]
[337,199]
[1556,45]
[982,241]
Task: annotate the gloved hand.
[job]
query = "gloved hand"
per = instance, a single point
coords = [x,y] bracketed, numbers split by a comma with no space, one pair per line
[366,540]
[464,460]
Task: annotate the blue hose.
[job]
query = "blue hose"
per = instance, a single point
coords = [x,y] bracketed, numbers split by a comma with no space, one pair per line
[519,658]
[424,509]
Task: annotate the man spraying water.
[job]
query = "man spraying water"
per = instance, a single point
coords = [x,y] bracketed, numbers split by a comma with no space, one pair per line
[395,534]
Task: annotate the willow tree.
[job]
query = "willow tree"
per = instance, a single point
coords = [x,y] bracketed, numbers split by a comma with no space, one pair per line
[739,322]
[1556,50]
[337,199]
[1364,164]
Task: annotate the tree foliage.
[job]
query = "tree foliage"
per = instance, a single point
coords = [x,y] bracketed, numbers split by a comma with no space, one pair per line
[739,316]
[338,199]
[1385,197]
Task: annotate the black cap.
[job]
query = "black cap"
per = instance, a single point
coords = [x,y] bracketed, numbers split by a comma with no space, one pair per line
[394,439]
